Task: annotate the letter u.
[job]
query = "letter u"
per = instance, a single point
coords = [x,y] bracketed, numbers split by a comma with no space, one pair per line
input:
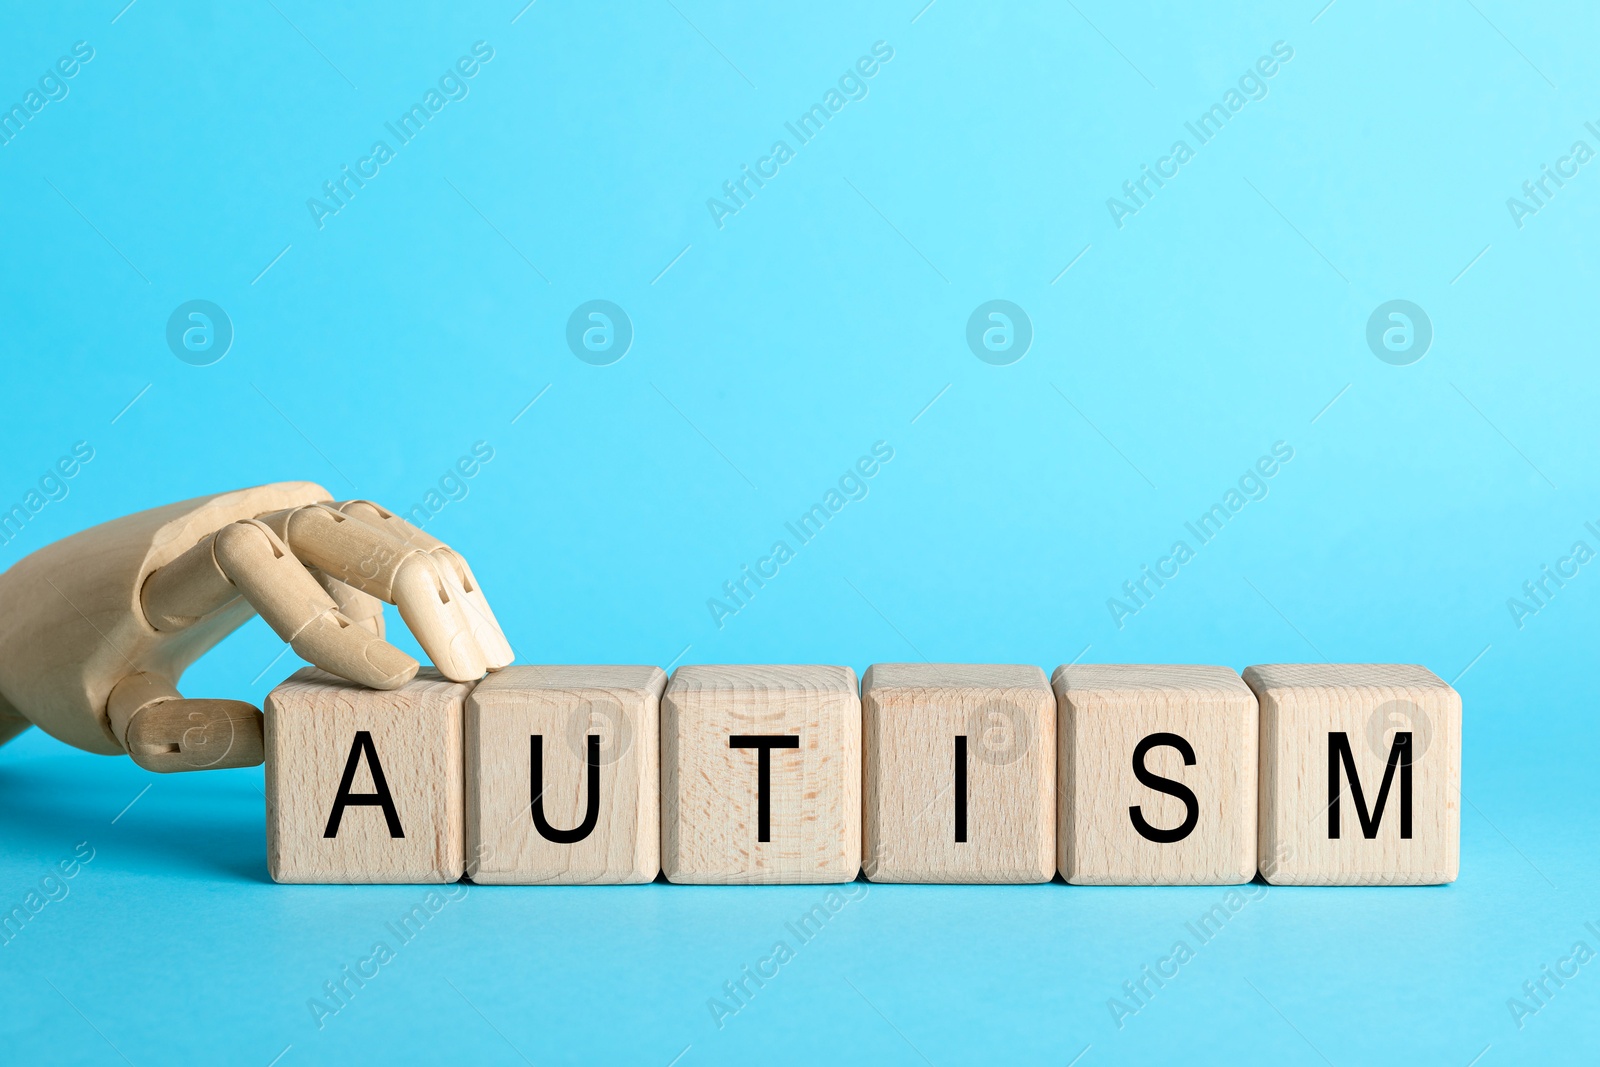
[591,814]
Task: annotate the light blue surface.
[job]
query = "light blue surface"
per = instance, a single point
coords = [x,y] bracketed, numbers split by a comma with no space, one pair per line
[1229,313]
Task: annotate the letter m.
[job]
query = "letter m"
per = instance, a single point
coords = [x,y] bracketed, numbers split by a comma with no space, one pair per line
[15,915]
[817,915]
[18,114]
[818,515]
[1399,756]
[1218,514]
[817,114]
[15,515]
[1218,115]
[418,114]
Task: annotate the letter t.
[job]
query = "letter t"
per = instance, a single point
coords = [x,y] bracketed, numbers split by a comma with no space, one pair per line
[764,744]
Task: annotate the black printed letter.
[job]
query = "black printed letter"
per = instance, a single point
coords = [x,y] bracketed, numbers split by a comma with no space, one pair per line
[591,813]
[380,798]
[1164,785]
[961,789]
[1399,756]
[764,744]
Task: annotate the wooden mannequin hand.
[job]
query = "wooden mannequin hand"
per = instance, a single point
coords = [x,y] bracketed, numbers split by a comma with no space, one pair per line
[96,629]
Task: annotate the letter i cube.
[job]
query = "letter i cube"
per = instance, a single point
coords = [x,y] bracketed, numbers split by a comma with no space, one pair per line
[960,773]
[364,785]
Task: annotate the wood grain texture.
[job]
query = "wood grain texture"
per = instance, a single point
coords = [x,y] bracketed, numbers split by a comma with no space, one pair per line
[709,803]
[196,735]
[312,722]
[564,706]
[83,630]
[1105,712]
[1301,706]
[912,715]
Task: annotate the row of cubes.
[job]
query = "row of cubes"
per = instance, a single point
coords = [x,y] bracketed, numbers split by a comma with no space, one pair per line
[1311,774]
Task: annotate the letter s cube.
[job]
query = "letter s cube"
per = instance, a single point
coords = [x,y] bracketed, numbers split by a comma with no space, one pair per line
[1158,775]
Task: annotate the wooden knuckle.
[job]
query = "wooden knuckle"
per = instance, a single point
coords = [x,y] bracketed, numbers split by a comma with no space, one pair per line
[246,542]
[366,510]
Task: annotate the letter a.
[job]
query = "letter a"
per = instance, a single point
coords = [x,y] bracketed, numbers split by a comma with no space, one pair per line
[380,798]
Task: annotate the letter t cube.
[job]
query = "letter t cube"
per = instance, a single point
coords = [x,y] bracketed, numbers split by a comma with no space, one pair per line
[761,775]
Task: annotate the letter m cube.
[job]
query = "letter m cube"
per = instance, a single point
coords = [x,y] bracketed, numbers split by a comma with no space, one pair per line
[1360,774]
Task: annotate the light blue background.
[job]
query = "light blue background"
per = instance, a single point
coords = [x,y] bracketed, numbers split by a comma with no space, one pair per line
[1223,317]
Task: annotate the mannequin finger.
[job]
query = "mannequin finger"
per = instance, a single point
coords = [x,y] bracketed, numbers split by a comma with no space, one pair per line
[485,627]
[435,613]
[165,733]
[378,561]
[187,589]
[302,613]
[363,609]
[351,551]
[376,514]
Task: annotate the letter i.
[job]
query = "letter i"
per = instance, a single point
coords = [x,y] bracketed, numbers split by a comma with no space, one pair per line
[961,789]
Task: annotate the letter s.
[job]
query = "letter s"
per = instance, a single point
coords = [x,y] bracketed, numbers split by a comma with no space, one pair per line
[83,50]
[84,451]
[483,450]
[1150,780]
[483,50]
[883,50]
[883,450]
[1283,50]
[1283,450]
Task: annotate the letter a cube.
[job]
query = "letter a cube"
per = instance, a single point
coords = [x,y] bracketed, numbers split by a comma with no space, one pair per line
[761,775]
[364,785]
[1360,774]
[563,776]
[960,773]
[1158,775]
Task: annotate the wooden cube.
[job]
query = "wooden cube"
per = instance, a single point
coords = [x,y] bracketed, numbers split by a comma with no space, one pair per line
[1157,775]
[364,785]
[761,775]
[563,776]
[960,766]
[1360,774]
